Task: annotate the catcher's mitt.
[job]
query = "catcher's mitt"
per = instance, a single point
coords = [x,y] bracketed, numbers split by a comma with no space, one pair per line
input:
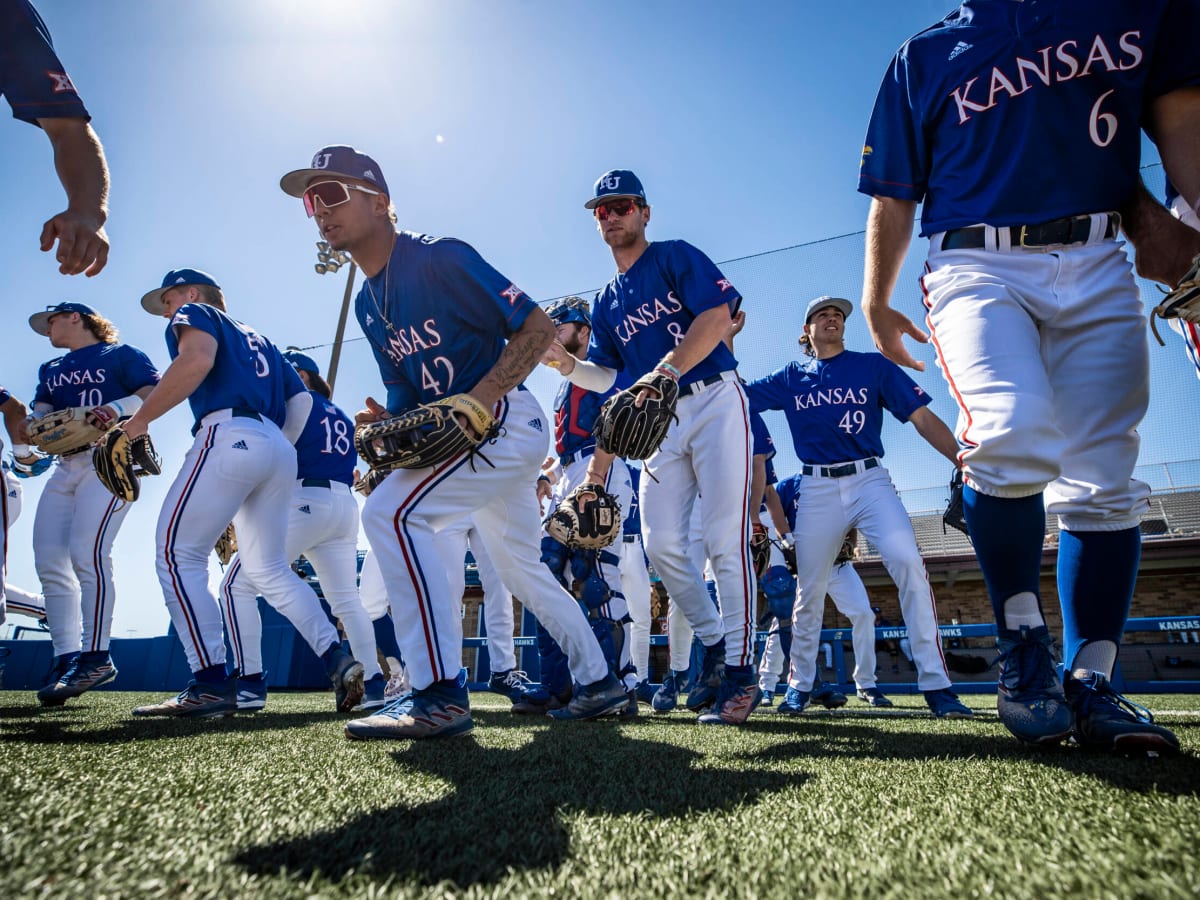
[425,436]
[64,430]
[954,515]
[849,548]
[590,524]
[635,432]
[226,545]
[760,549]
[1181,303]
[120,461]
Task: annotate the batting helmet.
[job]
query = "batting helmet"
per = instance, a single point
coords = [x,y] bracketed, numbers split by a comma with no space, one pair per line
[570,309]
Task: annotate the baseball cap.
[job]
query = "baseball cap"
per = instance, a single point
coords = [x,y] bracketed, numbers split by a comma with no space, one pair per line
[40,322]
[820,303]
[152,300]
[616,183]
[569,309]
[337,159]
[302,362]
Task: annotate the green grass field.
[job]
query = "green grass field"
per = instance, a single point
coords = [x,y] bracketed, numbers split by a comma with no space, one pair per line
[852,803]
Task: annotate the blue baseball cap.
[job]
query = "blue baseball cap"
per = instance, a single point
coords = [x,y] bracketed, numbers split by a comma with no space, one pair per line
[302,362]
[616,183]
[337,159]
[570,309]
[40,322]
[814,306]
[152,300]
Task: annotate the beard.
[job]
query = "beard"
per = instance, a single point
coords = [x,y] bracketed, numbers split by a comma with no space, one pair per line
[573,344]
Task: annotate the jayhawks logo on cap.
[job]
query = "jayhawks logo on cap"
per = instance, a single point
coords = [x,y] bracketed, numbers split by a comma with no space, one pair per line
[616,183]
[336,159]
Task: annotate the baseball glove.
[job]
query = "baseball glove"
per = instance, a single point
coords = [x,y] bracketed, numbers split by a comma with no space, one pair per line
[427,435]
[1181,303]
[373,479]
[954,516]
[760,549]
[849,548]
[226,545]
[635,432]
[120,461]
[64,430]
[586,524]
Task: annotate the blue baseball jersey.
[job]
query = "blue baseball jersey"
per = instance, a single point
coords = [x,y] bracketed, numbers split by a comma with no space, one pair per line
[1013,113]
[325,448]
[760,437]
[643,314]
[248,371]
[94,375]
[436,317]
[834,407]
[633,519]
[32,79]
[788,490]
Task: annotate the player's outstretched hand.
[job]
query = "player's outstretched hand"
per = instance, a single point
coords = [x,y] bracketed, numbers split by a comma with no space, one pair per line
[557,357]
[888,328]
[82,243]
[374,412]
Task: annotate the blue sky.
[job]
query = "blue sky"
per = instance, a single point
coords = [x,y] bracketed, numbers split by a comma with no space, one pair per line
[491,120]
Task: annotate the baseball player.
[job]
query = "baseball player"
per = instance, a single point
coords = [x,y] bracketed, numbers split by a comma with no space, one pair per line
[249,407]
[849,595]
[77,519]
[323,526]
[834,405]
[37,87]
[593,576]
[373,593]
[1018,127]
[442,322]
[14,599]
[667,309]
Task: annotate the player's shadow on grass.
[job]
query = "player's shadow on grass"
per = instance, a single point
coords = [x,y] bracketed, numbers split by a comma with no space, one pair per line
[71,727]
[505,810]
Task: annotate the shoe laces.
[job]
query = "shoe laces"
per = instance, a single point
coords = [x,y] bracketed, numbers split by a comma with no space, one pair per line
[517,679]
[393,707]
[1098,692]
[1028,666]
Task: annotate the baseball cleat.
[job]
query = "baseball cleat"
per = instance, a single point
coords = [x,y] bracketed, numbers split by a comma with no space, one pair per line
[398,683]
[666,698]
[373,690]
[737,697]
[828,696]
[1029,696]
[794,702]
[252,693]
[606,697]
[630,710]
[944,704]
[516,686]
[1105,720]
[768,696]
[645,691]
[88,671]
[441,710]
[873,696]
[197,701]
[346,674]
[712,673]
[58,669]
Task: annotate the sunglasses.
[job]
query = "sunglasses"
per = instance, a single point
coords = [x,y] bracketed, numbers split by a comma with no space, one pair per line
[331,194]
[618,208]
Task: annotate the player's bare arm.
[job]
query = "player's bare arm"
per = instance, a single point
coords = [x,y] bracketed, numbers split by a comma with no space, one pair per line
[15,414]
[1164,247]
[936,433]
[598,466]
[758,484]
[519,357]
[775,510]
[1174,124]
[197,353]
[79,229]
[706,331]
[889,233]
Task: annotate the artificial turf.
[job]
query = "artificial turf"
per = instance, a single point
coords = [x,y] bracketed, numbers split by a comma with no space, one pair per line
[851,803]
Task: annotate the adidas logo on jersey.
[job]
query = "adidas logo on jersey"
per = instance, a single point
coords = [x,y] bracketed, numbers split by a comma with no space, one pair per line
[536,425]
[306,509]
[240,445]
[959,49]
[370,321]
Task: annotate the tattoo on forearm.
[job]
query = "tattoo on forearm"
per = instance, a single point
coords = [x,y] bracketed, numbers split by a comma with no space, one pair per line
[516,361]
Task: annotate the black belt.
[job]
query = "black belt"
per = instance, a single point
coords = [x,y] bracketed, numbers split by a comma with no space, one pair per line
[237,413]
[1069,230]
[696,385]
[316,482]
[630,538]
[839,471]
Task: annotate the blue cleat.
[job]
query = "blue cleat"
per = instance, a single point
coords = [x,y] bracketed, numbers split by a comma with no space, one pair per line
[605,697]
[645,691]
[516,686]
[441,710]
[712,673]
[873,696]
[1105,720]
[768,696]
[199,700]
[828,696]
[373,690]
[1029,696]
[252,693]
[737,697]
[89,670]
[58,669]
[794,702]
[944,704]
[666,698]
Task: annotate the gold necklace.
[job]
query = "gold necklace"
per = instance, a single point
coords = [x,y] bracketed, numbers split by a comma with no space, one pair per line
[387,274]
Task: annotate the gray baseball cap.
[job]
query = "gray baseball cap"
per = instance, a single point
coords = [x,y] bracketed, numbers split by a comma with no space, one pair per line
[337,159]
[814,306]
